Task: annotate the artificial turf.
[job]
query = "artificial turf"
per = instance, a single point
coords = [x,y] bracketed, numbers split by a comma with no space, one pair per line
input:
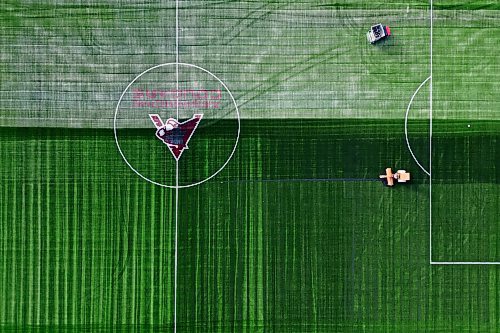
[296,233]
[262,247]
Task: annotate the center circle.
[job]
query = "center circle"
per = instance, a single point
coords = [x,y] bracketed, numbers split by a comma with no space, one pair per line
[176,125]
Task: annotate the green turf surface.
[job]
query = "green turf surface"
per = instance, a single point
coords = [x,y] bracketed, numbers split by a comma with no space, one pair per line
[295,234]
[86,241]
[66,65]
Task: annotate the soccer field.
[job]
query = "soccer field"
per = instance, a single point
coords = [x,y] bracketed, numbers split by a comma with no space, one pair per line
[273,218]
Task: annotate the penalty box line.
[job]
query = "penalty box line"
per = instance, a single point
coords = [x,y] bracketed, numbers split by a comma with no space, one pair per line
[431,262]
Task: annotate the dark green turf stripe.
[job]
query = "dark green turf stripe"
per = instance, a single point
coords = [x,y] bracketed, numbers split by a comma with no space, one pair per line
[84,241]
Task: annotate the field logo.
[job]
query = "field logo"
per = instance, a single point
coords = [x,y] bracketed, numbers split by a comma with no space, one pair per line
[174,134]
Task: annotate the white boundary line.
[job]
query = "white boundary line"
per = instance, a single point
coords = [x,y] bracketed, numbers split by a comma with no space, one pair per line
[406,126]
[430,172]
[430,135]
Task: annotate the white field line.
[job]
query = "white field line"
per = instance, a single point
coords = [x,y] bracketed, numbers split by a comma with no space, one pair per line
[175,240]
[465,263]
[430,135]
[177,54]
[430,171]
[177,161]
[406,126]
[116,133]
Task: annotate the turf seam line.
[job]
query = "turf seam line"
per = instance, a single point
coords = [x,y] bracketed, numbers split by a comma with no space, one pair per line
[296,180]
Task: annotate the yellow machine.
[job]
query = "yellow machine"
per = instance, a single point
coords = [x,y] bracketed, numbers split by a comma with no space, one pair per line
[401,176]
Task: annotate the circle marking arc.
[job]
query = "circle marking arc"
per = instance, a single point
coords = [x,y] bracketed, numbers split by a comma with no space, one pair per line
[406,126]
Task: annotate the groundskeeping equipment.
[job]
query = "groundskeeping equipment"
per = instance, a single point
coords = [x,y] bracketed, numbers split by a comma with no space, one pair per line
[377,33]
[401,176]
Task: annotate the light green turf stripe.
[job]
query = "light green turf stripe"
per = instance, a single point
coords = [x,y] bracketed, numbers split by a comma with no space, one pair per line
[199,277]
[117,263]
[46,221]
[131,288]
[39,257]
[23,281]
[260,220]
[149,216]
[3,237]
[13,257]
[143,293]
[83,235]
[57,220]
[163,285]
[246,250]
[103,245]
[75,251]
[31,258]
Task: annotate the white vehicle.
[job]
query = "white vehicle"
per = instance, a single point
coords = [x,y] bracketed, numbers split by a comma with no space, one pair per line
[378,32]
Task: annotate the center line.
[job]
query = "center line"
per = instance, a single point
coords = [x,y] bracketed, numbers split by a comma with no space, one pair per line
[175,241]
[177,54]
[176,162]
